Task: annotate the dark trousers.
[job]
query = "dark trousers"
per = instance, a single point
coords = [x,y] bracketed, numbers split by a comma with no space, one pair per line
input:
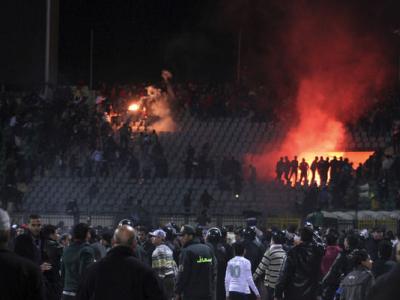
[237,296]
[169,285]
[270,293]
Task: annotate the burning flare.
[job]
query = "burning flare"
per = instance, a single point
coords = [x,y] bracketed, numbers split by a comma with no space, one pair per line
[134,107]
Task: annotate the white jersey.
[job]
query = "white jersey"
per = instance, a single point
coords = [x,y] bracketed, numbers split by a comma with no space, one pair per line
[238,276]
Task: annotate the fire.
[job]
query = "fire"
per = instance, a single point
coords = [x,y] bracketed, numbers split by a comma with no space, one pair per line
[134,107]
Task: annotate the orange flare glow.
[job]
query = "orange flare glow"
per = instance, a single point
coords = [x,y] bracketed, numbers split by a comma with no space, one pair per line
[134,107]
[354,157]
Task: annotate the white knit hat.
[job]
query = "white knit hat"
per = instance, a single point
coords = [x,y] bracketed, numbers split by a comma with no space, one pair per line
[4,220]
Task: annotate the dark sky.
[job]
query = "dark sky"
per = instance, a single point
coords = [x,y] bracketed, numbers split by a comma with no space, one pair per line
[134,39]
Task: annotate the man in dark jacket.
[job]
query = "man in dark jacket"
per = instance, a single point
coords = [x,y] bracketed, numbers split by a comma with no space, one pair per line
[52,252]
[279,169]
[197,268]
[120,275]
[372,242]
[294,167]
[254,250]
[213,240]
[30,244]
[301,272]
[383,264]
[145,246]
[20,279]
[342,265]
[75,259]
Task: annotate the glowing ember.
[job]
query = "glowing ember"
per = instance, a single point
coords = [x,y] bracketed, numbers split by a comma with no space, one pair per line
[134,107]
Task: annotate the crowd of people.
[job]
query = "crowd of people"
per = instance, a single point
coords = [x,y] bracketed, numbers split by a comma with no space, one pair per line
[99,134]
[202,100]
[196,263]
[333,183]
[335,170]
[97,138]
[72,135]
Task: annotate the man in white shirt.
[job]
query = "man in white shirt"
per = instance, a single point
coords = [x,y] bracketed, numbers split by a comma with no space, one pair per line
[238,278]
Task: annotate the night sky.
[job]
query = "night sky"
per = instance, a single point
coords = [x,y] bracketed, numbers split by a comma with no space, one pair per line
[135,39]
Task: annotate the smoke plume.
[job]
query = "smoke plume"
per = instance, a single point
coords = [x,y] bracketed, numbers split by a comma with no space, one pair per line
[162,110]
[337,66]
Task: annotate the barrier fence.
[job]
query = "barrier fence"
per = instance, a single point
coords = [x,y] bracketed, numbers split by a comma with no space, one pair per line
[282,223]
[112,220]
[215,220]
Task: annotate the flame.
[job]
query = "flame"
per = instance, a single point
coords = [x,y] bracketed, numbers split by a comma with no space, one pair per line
[134,107]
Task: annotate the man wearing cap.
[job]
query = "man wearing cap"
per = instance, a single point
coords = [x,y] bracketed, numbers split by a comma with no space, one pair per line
[20,279]
[197,268]
[163,262]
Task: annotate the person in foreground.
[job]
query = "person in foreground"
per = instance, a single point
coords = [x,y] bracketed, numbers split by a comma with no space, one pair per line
[301,272]
[357,284]
[197,268]
[238,276]
[76,258]
[387,286]
[120,275]
[20,279]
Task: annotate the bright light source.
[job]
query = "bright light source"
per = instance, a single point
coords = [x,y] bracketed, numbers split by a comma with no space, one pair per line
[356,157]
[237,195]
[134,107]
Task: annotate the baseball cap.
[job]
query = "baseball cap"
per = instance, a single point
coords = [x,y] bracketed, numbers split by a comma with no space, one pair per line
[187,229]
[4,220]
[158,233]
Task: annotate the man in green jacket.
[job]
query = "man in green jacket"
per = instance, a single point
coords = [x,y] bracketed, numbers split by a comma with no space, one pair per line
[76,258]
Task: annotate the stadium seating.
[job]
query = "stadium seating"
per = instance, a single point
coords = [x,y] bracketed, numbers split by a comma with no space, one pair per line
[164,197]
